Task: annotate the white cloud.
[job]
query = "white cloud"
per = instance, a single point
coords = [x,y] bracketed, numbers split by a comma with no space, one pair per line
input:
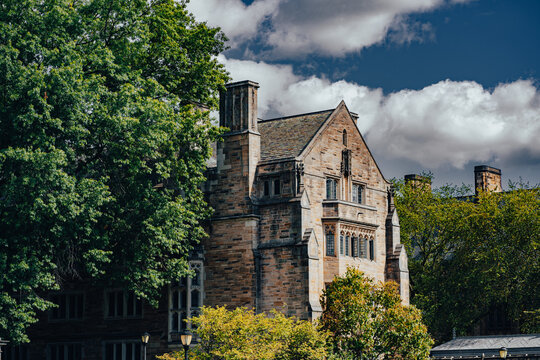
[238,21]
[301,27]
[447,123]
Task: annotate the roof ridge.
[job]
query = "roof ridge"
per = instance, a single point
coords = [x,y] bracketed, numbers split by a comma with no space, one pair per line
[293,116]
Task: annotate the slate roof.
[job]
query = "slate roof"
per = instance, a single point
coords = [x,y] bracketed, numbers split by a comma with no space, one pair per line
[286,137]
[475,346]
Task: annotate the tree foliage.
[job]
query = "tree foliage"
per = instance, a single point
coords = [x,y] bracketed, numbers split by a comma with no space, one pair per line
[471,254]
[241,335]
[101,153]
[367,320]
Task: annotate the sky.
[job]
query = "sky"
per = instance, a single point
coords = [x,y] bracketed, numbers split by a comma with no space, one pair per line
[439,85]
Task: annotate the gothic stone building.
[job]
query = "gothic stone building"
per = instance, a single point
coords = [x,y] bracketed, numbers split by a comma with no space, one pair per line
[297,200]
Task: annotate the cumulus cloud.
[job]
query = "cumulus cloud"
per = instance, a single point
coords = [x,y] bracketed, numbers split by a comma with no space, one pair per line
[238,21]
[449,123]
[301,27]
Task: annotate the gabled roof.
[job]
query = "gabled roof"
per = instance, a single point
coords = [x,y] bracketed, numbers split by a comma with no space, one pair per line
[286,137]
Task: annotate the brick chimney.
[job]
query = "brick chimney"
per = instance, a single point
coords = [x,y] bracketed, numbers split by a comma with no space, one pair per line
[418,180]
[487,178]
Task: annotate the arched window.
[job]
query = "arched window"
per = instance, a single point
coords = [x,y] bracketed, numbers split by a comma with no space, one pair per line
[344,137]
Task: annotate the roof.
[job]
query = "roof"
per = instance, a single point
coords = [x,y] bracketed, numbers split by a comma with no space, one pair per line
[286,137]
[476,346]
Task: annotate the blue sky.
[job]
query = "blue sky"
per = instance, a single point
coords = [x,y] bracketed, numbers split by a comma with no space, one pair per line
[440,85]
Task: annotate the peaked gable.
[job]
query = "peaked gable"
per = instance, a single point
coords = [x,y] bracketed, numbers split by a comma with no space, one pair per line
[342,107]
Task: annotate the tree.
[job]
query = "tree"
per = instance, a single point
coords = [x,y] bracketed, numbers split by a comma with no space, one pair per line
[472,254]
[241,335]
[101,149]
[368,321]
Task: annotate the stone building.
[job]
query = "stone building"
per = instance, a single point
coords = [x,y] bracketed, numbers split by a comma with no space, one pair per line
[297,200]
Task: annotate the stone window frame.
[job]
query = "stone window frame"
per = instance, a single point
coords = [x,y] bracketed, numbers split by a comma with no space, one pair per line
[78,296]
[127,296]
[365,240]
[270,185]
[335,181]
[69,351]
[358,186]
[135,345]
[330,230]
[181,312]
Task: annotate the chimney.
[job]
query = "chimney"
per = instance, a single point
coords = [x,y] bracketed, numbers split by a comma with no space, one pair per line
[418,180]
[487,178]
[238,106]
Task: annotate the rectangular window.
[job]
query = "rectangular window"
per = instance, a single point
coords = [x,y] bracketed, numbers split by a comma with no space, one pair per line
[347,239]
[70,306]
[330,244]
[267,188]
[363,248]
[341,244]
[123,304]
[64,352]
[124,350]
[371,250]
[185,300]
[277,187]
[354,241]
[357,193]
[331,189]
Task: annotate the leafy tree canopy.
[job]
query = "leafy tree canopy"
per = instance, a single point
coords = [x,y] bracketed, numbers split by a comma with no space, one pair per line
[241,335]
[471,254]
[101,153]
[367,320]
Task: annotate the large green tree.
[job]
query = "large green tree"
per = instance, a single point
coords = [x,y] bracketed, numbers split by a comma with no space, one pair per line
[471,254]
[101,149]
[366,320]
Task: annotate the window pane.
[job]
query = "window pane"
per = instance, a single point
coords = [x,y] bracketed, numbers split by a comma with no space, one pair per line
[112,304]
[62,307]
[266,188]
[120,303]
[174,321]
[175,300]
[360,194]
[183,298]
[138,307]
[330,244]
[341,244]
[54,352]
[195,298]
[277,187]
[347,245]
[137,352]
[61,352]
[118,352]
[196,280]
[80,306]
[355,193]
[130,304]
[371,250]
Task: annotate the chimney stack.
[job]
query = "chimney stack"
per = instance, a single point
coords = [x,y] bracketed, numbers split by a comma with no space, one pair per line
[238,106]
[418,180]
[487,178]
